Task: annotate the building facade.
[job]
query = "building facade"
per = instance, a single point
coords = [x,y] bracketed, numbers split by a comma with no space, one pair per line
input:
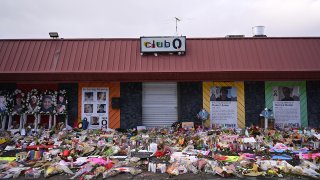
[109,81]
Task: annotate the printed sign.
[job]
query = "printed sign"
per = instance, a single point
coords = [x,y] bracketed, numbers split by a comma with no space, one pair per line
[187,125]
[163,44]
[286,106]
[223,106]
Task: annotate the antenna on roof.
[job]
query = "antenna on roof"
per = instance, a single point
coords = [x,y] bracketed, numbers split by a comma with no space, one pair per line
[177,20]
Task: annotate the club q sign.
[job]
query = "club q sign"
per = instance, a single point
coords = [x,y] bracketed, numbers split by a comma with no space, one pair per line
[163,44]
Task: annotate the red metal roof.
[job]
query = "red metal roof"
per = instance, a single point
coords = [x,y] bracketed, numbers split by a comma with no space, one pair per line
[222,59]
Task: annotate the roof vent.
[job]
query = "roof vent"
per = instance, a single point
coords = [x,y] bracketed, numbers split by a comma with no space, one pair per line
[234,36]
[258,31]
[54,35]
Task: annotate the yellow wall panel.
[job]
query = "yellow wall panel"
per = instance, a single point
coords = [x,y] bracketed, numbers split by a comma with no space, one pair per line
[240,99]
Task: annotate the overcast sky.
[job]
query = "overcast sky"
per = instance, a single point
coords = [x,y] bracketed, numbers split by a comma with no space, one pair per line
[135,18]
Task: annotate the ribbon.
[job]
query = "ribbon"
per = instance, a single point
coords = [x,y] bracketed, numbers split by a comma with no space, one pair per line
[66,120]
[54,120]
[50,121]
[10,122]
[35,122]
[4,119]
[31,154]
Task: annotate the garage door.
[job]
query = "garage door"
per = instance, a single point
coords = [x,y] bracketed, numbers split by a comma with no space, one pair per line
[159,104]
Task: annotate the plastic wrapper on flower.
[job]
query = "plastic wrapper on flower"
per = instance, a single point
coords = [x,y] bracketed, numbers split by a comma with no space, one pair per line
[84,169]
[98,161]
[201,164]
[192,168]
[52,170]
[110,173]
[32,174]
[173,169]
[99,170]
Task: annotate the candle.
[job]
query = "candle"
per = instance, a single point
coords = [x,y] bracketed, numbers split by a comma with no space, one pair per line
[241,147]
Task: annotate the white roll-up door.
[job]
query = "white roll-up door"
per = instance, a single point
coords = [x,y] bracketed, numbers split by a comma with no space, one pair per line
[159,104]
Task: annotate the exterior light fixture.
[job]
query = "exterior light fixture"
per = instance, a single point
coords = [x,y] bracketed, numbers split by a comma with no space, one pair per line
[155,54]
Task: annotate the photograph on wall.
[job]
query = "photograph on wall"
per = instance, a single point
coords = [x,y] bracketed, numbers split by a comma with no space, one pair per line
[17,104]
[33,104]
[88,108]
[95,106]
[3,108]
[94,121]
[101,108]
[101,96]
[47,104]
[223,106]
[88,96]
[286,93]
[286,106]
[225,93]
[104,122]
[61,104]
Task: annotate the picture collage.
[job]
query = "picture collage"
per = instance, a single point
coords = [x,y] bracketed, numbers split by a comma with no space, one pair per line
[95,107]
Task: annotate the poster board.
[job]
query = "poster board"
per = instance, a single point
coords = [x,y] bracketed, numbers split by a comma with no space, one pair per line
[286,106]
[95,102]
[223,106]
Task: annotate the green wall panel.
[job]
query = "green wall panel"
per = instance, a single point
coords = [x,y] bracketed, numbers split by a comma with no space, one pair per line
[303,97]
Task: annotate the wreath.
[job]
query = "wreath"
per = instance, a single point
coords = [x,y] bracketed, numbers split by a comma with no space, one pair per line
[16,103]
[33,102]
[48,102]
[61,104]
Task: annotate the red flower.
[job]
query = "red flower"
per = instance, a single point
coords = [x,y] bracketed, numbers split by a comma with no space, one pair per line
[159,153]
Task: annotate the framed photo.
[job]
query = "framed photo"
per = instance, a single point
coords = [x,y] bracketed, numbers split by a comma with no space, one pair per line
[47,104]
[61,104]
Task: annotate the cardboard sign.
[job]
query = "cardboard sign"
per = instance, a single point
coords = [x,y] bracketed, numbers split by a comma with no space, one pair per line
[187,125]
[139,128]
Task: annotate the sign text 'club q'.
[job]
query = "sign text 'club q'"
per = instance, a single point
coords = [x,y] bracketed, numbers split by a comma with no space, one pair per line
[163,44]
